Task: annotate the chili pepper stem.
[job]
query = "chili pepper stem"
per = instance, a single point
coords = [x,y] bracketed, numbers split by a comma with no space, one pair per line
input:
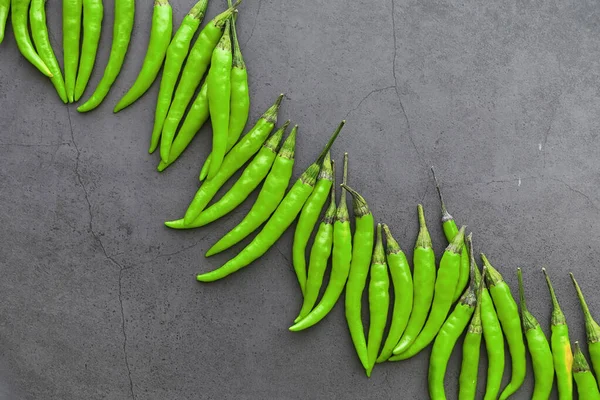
[445,214]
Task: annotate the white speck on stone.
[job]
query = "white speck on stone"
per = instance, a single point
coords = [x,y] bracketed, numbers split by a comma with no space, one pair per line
[519,182]
[540,146]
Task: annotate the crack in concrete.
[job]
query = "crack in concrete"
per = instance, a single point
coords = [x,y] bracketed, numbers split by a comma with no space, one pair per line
[173,253]
[366,97]
[99,241]
[34,145]
[253,25]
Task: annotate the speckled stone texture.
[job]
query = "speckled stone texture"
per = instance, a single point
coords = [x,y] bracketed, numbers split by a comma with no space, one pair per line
[98,298]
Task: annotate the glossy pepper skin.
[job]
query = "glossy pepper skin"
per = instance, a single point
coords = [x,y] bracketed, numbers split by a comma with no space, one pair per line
[340,262]
[284,215]
[494,344]
[268,199]
[362,248]
[539,349]
[72,10]
[251,177]
[451,330]
[219,98]
[508,314]
[467,381]
[93,13]
[123,25]
[442,298]
[238,156]
[320,252]
[403,294]
[308,218]
[176,54]
[160,37]
[450,231]
[240,97]
[379,300]
[423,284]
[592,330]
[195,118]
[561,346]
[4,11]
[19,17]
[39,32]
[587,386]
[196,65]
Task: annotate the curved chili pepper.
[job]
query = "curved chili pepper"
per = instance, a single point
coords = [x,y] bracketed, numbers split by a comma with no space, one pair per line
[403,294]
[362,248]
[39,32]
[268,199]
[448,336]
[160,38]
[240,98]
[561,346]
[307,221]
[442,298]
[197,62]
[195,118]
[592,330]
[237,157]
[320,252]
[340,262]
[423,284]
[93,13]
[4,11]
[284,215]
[539,349]
[19,17]
[123,25]
[379,300]
[450,230]
[587,386]
[508,314]
[467,387]
[72,10]
[176,54]
[252,176]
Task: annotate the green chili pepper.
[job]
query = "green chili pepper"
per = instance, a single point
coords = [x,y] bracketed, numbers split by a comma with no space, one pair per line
[268,199]
[561,346]
[195,118]
[176,54]
[423,285]
[72,10]
[362,248]
[403,294]
[340,262]
[93,12]
[508,314]
[123,25]
[4,10]
[442,298]
[237,157]
[197,62]
[539,349]
[587,386]
[450,230]
[219,98]
[592,330]
[467,387]
[252,176]
[284,215]
[379,300]
[307,220]
[160,38]
[39,32]
[240,98]
[448,336]
[320,251]
[19,19]
[494,344]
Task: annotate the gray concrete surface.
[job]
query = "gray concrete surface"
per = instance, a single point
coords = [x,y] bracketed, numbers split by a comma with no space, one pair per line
[98,298]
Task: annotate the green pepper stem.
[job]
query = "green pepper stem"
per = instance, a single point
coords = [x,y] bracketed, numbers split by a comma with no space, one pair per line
[392,245]
[221,19]
[445,214]
[379,252]
[271,114]
[330,142]
[288,148]
[529,321]
[580,364]
[330,213]
[558,317]
[469,297]
[326,168]
[273,142]
[359,203]
[424,239]
[592,329]
[342,210]
[493,276]
[458,241]
[199,9]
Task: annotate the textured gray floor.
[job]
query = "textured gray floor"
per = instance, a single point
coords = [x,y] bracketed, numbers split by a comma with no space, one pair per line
[98,299]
